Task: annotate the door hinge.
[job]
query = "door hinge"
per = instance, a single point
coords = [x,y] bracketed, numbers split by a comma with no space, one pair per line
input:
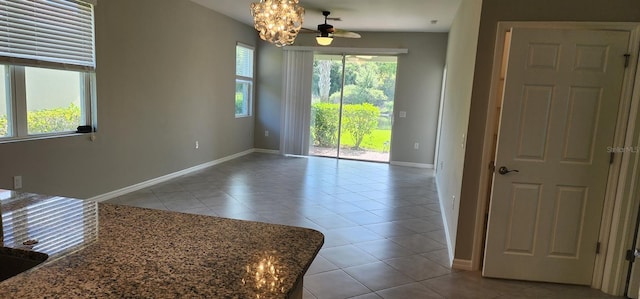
[630,255]
[627,60]
[598,248]
[611,157]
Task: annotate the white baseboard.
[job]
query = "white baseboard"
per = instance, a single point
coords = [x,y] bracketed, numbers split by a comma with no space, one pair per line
[164,178]
[446,226]
[460,264]
[266,151]
[409,164]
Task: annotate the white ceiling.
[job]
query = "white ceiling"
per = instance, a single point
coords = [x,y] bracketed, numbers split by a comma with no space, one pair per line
[359,15]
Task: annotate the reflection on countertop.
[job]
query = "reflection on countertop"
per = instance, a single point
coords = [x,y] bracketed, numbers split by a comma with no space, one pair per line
[144,253]
[53,225]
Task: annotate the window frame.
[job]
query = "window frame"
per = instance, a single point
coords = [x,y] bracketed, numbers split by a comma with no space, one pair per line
[17,122]
[239,79]
[40,45]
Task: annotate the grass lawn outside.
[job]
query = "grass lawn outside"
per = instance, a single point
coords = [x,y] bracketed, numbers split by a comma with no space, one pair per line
[373,142]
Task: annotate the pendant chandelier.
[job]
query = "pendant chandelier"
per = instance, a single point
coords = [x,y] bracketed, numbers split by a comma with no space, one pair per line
[278,21]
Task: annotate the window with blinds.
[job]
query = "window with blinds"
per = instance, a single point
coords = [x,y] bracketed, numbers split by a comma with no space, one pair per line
[47,33]
[47,54]
[244,80]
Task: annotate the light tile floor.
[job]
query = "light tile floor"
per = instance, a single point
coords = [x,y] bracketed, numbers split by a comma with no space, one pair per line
[383,229]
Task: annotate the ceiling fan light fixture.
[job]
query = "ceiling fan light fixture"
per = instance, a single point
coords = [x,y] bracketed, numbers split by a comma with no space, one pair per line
[324,40]
[278,21]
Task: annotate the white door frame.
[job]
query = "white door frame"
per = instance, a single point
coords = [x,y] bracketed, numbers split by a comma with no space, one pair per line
[619,212]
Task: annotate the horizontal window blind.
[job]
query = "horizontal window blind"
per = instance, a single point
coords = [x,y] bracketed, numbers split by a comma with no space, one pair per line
[244,61]
[58,33]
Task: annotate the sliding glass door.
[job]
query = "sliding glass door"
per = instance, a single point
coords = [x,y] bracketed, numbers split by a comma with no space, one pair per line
[352,106]
[326,93]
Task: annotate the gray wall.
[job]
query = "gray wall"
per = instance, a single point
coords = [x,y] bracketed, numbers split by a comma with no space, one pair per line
[269,94]
[515,10]
[461,51]
[419,81]
[165,76]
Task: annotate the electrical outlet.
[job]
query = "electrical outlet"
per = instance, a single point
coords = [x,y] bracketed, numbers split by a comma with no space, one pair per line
[416,146]
[266,133]
[197,144]
[17,182]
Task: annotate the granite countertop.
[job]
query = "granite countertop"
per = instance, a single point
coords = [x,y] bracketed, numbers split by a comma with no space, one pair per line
[143,253]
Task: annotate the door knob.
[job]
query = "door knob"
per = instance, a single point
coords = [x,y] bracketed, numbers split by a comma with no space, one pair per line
[504,170]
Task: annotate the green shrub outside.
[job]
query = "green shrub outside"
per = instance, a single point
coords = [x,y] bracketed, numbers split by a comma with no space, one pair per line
[359,121]
[324,124]
[3,125]
[48,120]
[239,103]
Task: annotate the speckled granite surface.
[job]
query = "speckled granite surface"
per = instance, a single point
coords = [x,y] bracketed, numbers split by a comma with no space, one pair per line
[142,253]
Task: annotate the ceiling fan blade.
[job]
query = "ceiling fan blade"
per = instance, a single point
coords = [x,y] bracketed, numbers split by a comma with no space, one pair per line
[345,34]
[307,30]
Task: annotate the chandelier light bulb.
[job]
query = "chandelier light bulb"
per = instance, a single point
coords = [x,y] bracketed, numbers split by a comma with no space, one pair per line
[278,21]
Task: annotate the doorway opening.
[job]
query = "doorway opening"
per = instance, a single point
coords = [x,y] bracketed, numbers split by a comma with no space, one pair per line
[495,128]
[352,106]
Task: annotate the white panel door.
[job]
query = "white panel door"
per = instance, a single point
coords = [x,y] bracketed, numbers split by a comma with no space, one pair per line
[562,93]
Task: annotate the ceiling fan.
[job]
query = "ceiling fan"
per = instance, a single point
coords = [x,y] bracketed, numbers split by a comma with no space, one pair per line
[326,32]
